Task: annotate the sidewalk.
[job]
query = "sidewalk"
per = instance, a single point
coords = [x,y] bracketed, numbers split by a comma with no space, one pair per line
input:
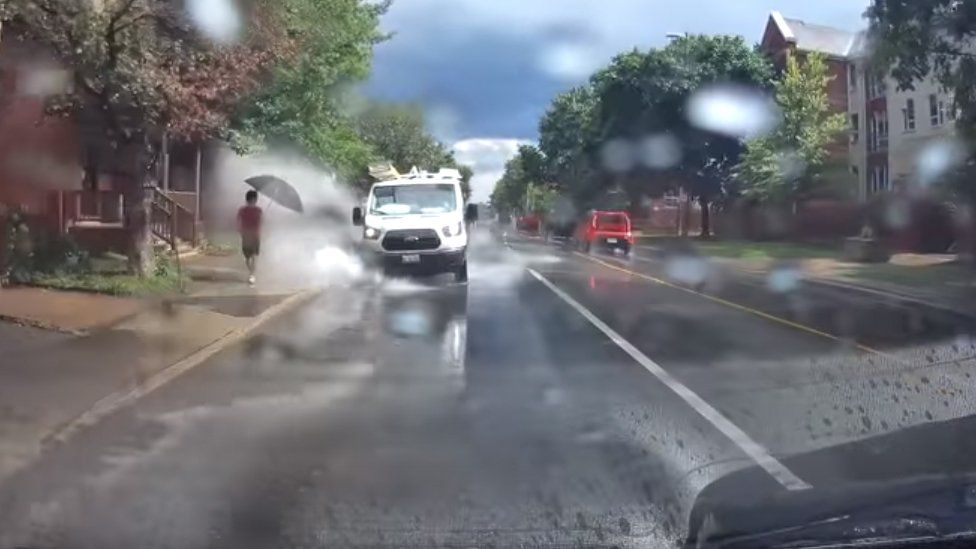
[72,312]
[105,351]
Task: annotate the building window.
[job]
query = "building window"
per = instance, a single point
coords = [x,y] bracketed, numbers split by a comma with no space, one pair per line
[852,76]
[909,114]
[855,128]
[876,86]
[878,180]
[936,111]
[878,131]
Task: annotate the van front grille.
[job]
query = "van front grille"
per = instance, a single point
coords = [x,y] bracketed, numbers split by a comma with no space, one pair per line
[411,240]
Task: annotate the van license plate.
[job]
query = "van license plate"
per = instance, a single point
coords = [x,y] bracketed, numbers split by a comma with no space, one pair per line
[611,241]
[411,258]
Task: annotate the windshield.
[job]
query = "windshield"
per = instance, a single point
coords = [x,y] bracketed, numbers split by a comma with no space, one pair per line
[414,199]
[611,220]
[486,273]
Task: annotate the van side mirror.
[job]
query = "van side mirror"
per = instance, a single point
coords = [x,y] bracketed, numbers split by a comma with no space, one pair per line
[357,217]
[471,213]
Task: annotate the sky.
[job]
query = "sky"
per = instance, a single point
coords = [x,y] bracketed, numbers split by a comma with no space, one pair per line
[485,70]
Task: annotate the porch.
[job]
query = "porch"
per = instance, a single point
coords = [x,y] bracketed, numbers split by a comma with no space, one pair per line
[97,219]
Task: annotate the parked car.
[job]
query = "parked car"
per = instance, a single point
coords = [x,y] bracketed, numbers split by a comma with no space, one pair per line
[528,223]
[560,221]
[605,229]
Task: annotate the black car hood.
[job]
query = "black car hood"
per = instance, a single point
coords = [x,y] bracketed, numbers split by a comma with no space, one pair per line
[911,487]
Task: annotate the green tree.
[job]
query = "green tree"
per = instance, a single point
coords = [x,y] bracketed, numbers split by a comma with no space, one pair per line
[523,172]
[139,70]
[540,197]
[565,133]
[789,163]
[304,104]
[643,94]
[397,134]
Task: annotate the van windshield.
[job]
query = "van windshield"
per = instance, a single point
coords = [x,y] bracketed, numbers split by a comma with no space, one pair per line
[414,199]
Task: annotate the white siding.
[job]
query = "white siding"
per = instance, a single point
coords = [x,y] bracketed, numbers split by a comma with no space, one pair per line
[856,108]
[906,145]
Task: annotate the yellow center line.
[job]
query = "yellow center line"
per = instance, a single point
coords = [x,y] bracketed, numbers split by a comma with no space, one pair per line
[736,306]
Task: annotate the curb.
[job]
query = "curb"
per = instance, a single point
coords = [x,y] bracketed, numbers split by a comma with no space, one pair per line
[120,399]
[40,325]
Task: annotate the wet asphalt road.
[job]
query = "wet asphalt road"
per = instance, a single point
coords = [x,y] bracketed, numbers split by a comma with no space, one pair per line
[497,414]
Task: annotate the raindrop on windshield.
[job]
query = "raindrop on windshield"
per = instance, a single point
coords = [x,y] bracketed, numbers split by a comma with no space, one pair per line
[936,159]
[784,280]
[897,214]
[43,82]
[568,61]
[219,20]
[660,151]
[735,111]
[618,155]
[688,270]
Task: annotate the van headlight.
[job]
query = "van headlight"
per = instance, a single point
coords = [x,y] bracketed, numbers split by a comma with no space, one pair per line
[371,233]
[453,230]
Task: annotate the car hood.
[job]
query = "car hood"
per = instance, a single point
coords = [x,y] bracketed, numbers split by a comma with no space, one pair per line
[910,487]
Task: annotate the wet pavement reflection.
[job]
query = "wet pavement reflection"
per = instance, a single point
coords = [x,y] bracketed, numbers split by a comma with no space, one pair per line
[420,412]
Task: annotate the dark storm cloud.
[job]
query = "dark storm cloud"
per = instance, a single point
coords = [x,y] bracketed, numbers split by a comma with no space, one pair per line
[489,83]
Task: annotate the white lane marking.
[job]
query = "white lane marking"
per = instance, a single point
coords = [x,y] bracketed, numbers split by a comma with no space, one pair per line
[753,449]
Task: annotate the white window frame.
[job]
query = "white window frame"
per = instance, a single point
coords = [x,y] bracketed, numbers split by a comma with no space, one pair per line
[878,131]
[909,115]
[936,111]
[878,180]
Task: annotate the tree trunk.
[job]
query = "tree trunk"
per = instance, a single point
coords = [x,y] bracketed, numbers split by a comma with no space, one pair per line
[138,206]
[706,217]
[685,213]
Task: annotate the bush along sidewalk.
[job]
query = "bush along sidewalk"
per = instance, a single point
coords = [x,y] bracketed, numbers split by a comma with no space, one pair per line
[38,258]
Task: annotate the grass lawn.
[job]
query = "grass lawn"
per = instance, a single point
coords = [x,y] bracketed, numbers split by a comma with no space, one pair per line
[110,276]
[112,284]
[742,249]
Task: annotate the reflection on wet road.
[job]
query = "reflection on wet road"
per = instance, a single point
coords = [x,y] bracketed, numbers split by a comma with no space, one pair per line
[424,413]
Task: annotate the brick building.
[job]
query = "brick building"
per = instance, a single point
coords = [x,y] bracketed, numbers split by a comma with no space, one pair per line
[889,129]
[44,161]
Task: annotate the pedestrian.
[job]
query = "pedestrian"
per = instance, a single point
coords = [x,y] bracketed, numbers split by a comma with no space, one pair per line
[249,225]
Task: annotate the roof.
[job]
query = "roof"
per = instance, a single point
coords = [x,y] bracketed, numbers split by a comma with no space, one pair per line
[859,46]
[815,38]
[445,175]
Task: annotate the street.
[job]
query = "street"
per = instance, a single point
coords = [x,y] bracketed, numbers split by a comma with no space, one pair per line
[558,399]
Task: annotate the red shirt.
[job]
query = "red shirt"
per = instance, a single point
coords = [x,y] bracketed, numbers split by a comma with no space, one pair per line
[249,220]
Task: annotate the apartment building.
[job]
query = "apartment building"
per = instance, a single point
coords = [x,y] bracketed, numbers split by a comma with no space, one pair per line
[889,128]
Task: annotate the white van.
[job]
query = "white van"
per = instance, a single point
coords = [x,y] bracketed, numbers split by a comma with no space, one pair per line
[417,223]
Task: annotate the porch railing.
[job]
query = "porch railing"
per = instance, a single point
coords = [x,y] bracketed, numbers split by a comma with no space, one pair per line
[170,221]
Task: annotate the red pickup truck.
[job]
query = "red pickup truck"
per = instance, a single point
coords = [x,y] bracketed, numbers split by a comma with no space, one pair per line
[606,229]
